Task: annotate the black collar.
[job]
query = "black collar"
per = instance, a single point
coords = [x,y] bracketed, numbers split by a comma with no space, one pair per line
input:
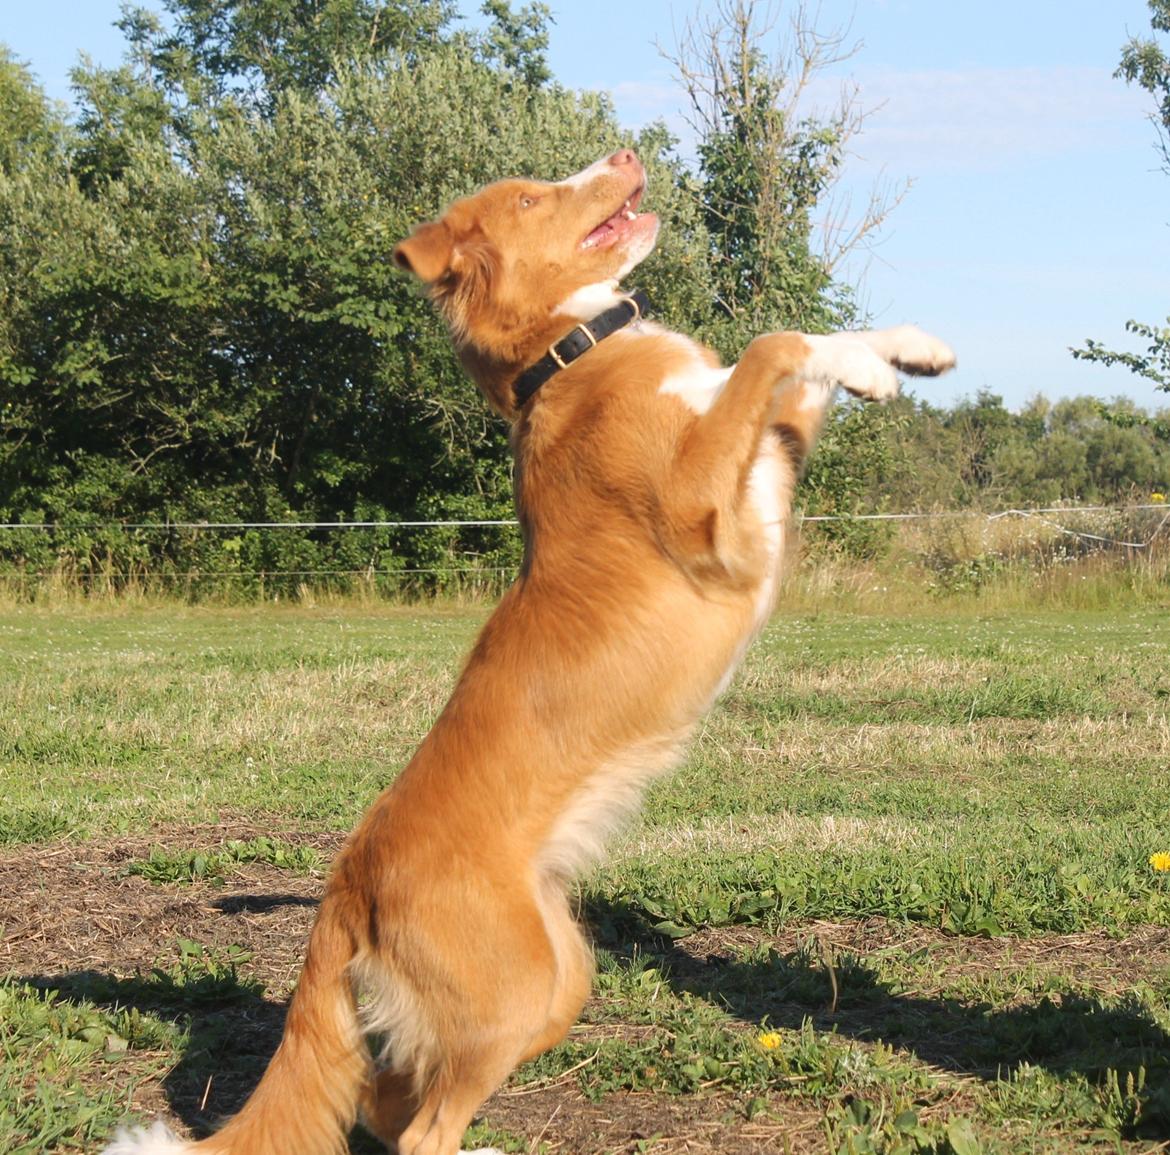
[580,340]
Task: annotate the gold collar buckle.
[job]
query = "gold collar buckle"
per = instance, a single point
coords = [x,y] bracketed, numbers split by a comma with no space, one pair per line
[552,349]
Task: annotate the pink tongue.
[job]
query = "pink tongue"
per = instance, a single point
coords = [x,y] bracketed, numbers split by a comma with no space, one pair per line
[602,230]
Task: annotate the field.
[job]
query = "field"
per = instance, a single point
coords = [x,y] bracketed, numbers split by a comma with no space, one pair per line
[899,898]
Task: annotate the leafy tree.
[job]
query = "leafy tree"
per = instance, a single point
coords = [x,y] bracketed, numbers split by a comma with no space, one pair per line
[1153,364]
[258,49]
[30,126]
[518,41]
[1145,61]
[198,317]
[1078,449]
[201,317]
[850,472]
[766,171]
[985,429]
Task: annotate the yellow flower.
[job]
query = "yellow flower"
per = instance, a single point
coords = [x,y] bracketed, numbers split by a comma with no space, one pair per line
[1160,861]
[1157,498]
[770,1040]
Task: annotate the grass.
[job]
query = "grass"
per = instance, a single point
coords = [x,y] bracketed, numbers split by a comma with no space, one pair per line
[911,846]
[50,1047]
[166,865]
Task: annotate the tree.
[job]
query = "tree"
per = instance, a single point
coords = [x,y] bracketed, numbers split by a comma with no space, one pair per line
[518,41]
[29,125]
[257,49]
[766,171]
[984,429]
[1145,62]
[1153,364]
[763,190]
[198,316]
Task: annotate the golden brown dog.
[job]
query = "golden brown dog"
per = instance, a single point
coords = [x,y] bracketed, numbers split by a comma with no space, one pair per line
[653,489]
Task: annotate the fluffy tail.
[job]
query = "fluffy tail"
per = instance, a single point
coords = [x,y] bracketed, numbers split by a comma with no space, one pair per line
[306,1101]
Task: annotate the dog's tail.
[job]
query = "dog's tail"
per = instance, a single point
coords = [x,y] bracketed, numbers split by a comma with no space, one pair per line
[307,1100]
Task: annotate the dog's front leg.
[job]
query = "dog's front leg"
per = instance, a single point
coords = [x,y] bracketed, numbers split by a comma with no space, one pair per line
[710,471]
[863,363]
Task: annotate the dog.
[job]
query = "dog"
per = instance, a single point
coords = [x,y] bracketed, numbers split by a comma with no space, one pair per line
[653,488]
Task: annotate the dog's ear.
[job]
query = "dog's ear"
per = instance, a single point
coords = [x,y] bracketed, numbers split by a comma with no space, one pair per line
[426,252]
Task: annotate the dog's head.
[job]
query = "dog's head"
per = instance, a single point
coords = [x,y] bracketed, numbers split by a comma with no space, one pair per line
[517,264]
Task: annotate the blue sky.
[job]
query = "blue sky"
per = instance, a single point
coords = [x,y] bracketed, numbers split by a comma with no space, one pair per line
[1038,214]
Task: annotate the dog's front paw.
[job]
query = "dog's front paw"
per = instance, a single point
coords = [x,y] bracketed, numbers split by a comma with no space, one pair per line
[854,365]
[910,349]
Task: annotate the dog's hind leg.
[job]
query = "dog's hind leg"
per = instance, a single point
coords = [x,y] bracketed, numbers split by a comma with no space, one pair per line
[389,1104]
[468,1074]
[511,986]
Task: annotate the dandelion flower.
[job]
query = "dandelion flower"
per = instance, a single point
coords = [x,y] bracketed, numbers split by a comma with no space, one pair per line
[770,1040]
[1160,861]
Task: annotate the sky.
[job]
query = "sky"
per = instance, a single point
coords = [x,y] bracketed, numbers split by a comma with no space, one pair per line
[1037,214]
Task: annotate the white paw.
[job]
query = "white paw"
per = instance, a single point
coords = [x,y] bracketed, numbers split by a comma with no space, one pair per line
[910,349]
[159,1140]
[854,365]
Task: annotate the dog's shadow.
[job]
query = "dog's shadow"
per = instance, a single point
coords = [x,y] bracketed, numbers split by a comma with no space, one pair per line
[1061,1033]
[233,1029]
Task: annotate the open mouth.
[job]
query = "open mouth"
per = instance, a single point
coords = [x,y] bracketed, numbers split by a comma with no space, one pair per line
[614,227]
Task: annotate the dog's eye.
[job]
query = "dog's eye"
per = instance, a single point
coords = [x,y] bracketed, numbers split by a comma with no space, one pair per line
[526,202]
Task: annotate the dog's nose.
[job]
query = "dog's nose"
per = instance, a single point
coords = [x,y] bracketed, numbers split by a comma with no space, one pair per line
[624,156]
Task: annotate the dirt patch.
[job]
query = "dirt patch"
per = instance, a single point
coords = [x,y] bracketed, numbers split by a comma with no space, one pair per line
[567,1122]
[74,908]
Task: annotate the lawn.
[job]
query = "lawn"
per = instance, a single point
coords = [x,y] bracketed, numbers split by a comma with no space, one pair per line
[897,899]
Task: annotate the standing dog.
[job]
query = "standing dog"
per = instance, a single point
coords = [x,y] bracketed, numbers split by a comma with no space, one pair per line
[653,488]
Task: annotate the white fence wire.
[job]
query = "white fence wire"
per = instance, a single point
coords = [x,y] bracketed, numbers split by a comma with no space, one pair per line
[1045,515]
[924,515]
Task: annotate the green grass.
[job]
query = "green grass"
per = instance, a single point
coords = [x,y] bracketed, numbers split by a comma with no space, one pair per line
[170,865]
[977,777]
[1063,1064]
[136,717]
[52,1051]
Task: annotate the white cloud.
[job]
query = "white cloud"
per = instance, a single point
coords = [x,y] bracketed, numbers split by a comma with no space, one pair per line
[642,100]
[991,117]
[952,118]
